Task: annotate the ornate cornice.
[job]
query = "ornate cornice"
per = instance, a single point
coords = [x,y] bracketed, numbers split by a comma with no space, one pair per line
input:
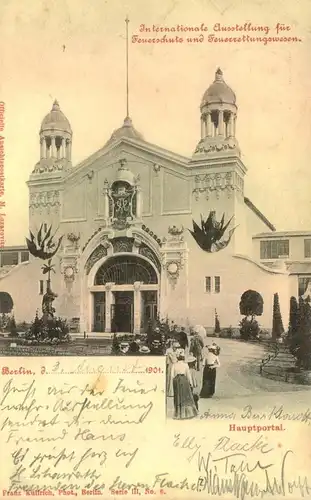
[44,199]
[217,183]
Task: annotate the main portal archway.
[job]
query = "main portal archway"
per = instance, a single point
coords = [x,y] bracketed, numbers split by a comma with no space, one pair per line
[125,294]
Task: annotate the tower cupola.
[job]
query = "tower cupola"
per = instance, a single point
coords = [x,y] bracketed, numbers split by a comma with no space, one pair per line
[55,141]
[218,119]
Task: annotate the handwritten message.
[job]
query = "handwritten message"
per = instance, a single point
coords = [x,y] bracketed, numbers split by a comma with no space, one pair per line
[97,427]
[73,428]
[218,33]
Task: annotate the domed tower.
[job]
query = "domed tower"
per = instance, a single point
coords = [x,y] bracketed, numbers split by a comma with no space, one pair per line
[55,141]
[45,181]
[218,171]
[218,120]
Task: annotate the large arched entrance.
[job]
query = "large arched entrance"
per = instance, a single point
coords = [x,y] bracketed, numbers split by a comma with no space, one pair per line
[125,294]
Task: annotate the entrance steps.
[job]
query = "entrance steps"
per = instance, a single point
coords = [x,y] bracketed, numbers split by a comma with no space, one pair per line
[92,335]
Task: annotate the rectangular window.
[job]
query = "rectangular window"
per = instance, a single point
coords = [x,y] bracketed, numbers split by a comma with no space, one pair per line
[24,256]
[274,249]
[41,287]
[307,249]
[217,284]
[212,284]
[208,284]
[9,258]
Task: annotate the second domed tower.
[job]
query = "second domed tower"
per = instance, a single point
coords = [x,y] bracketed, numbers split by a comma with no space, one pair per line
[55,141]
[218,119]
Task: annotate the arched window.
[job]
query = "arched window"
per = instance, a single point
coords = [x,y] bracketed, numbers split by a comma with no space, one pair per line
[6,303]
[125,270]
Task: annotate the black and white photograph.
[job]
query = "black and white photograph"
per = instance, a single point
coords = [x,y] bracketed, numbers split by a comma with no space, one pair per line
[149,217]
[155,249]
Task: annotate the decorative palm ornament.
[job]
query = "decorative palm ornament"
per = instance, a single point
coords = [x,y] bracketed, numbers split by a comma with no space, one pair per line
[44,245]
[210,235]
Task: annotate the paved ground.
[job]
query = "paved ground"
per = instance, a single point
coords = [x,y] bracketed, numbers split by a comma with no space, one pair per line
[239,382]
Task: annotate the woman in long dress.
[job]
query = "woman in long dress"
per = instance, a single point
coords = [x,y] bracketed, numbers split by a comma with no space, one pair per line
[211,363]
[171,358]
[184,404]
[191,360]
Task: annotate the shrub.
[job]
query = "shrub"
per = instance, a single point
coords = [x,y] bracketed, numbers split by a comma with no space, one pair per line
[251,304]
[12,327]
[277,323]
[301,341]
[249,329]
[53,329]
[293,320]
[4,320]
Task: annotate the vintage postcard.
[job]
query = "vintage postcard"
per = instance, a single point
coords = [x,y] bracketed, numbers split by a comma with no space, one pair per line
[155,249]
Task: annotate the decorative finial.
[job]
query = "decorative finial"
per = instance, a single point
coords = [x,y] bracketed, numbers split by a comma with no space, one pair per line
[219,75]
[55,106]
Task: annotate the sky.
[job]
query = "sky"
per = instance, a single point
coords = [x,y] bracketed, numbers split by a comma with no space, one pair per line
[272,83]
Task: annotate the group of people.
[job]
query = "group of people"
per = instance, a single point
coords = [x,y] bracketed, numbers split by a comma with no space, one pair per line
[137,345]
[185,381]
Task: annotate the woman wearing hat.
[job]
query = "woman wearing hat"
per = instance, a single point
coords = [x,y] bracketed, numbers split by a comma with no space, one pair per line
[124,348]
[171,358]
[144,350]
[211,363]
[191,360]
[184,404]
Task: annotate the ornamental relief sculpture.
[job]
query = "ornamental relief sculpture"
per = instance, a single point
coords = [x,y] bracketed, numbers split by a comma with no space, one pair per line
[122,245]
[174,252]
[215,148]
[48,168]
[69,269]
[96,255]
[216,183]
[44,200]
[145,251]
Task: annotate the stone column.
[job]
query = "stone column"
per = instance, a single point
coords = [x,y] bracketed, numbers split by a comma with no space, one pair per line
[231,134]
[108,304]
[137,307]
[221,123]
[203,127]
[209,125]
[138,203]
[47,149]
[63,147]
[53,153]
[90,326]
[69,150]
[42,147]
[234,126]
